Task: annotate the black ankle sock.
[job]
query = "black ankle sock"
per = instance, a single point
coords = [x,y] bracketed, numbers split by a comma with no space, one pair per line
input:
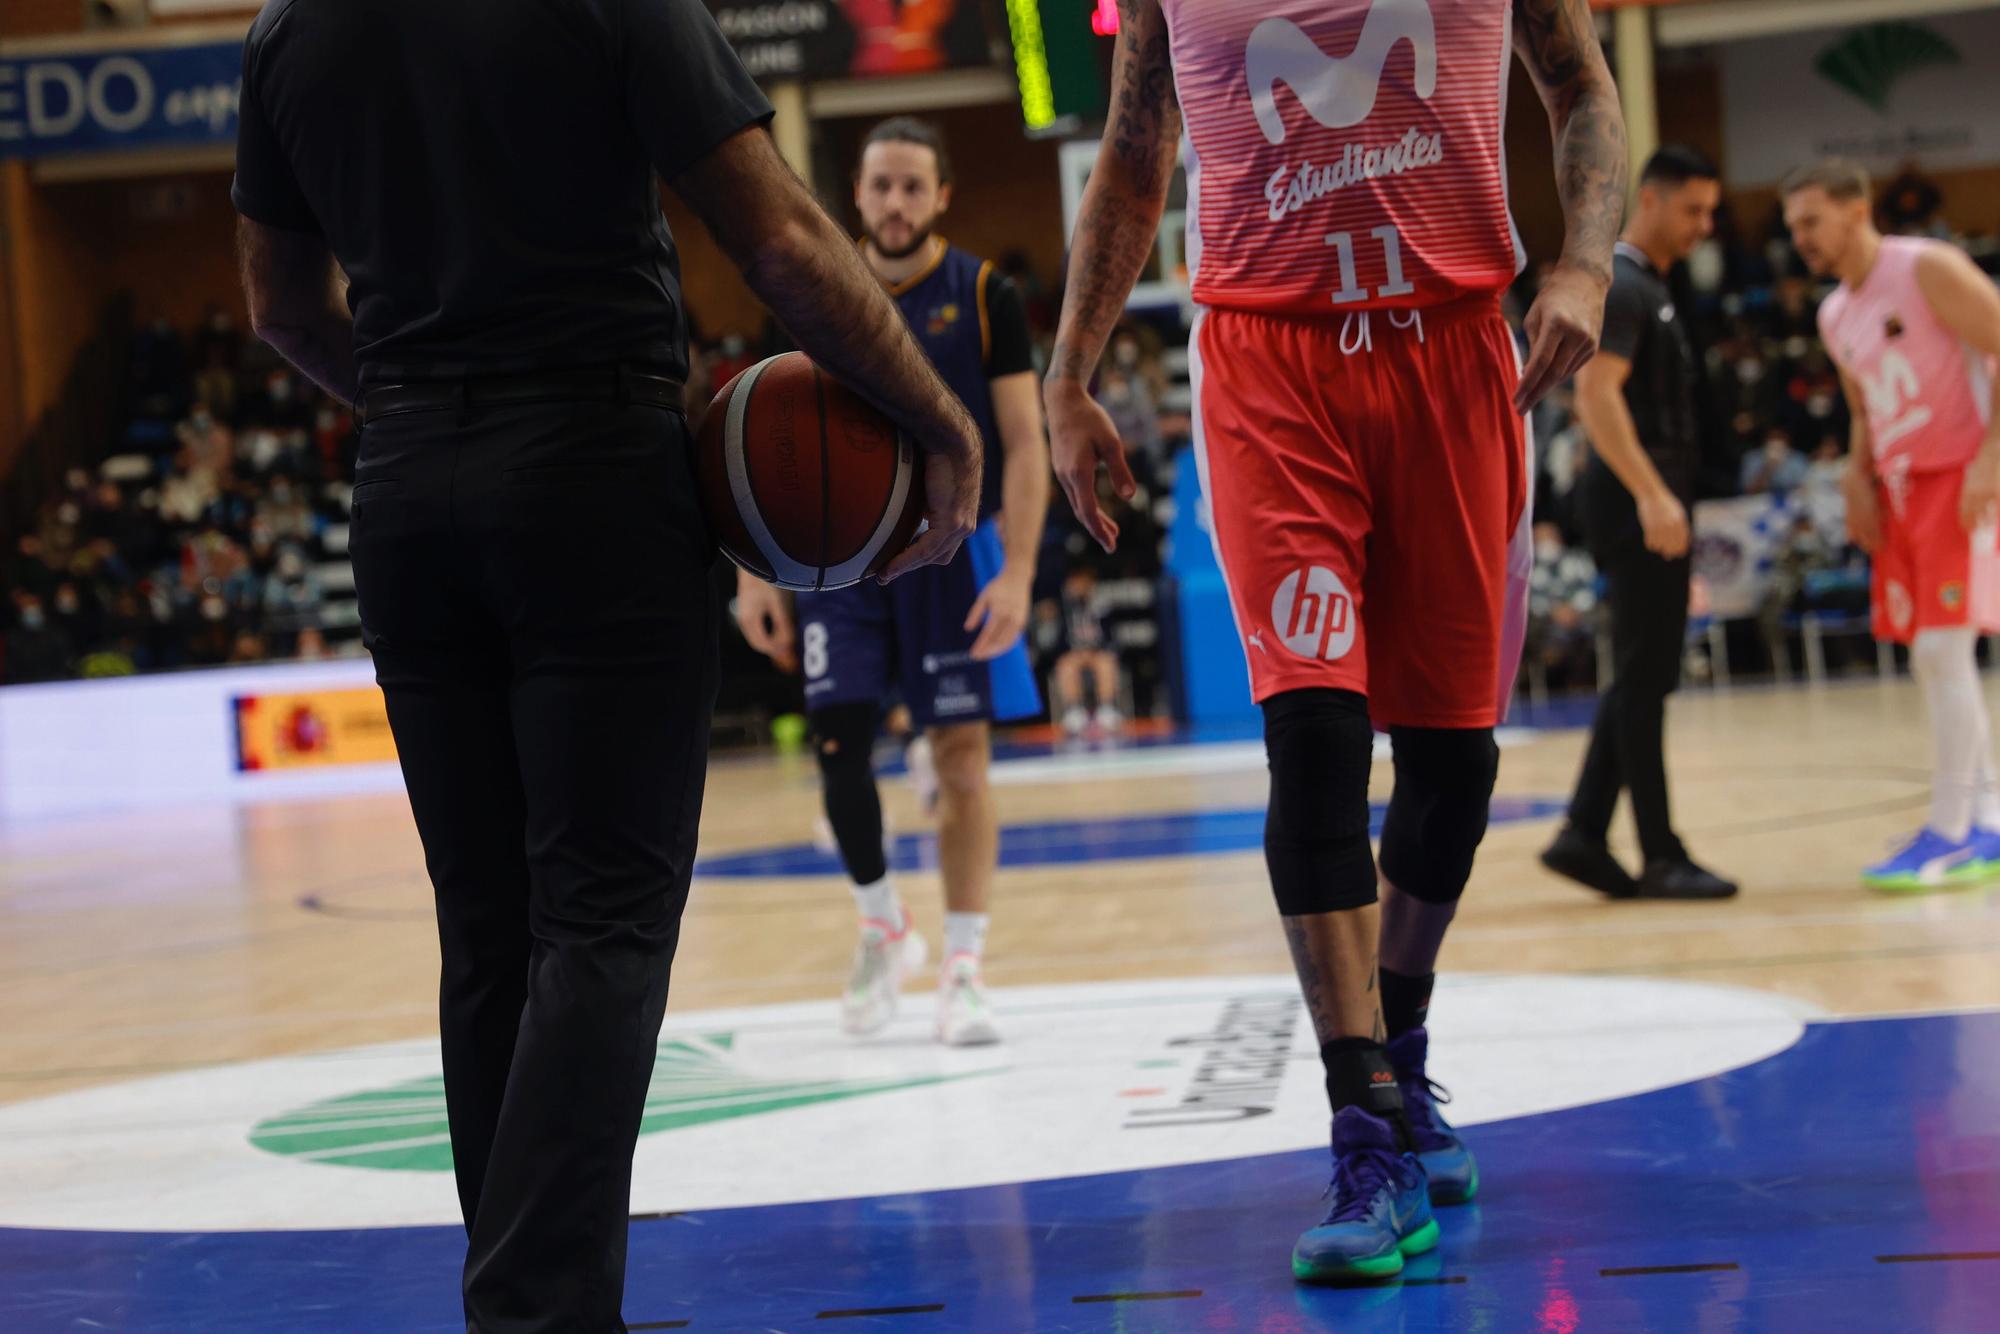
[1358,1074]
[1406,1001]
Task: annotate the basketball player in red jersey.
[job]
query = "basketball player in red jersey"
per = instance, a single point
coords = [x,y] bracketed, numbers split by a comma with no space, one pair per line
[1359,432]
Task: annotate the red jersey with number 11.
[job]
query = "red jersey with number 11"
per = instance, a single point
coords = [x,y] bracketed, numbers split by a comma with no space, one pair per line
[1342,154]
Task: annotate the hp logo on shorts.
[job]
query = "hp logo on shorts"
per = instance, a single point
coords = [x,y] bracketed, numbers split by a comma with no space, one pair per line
[1313,614]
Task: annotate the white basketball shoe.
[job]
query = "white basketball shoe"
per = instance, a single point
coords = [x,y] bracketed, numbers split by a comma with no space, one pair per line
[883,957]
[965,1017]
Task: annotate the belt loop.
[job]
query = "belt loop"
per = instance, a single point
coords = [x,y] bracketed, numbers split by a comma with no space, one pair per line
[464,401]
[621,392]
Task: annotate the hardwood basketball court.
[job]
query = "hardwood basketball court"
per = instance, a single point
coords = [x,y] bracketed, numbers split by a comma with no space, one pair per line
[148,954]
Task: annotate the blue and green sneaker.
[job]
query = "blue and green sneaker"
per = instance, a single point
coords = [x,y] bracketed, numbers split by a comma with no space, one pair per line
[1928,862]
[1381,1208]
[1454,1176]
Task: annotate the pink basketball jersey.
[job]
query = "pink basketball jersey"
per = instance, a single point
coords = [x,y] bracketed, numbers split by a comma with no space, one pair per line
[1342,154]
[1927,393]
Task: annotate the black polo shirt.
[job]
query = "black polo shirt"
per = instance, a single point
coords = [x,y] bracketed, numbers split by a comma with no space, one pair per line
[484,169]
[1642,326]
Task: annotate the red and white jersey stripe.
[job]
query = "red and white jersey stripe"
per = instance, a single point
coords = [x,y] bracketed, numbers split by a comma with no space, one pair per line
[1344,154]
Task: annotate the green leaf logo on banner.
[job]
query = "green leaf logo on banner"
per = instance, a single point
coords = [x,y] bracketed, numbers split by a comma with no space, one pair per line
[1869,62]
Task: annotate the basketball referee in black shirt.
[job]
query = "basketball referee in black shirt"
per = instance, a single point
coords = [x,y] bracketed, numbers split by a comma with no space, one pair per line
[1636,402]
[531,562]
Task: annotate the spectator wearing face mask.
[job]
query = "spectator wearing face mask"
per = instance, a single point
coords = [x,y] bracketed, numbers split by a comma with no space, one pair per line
[292,587]
[128,629]
[1125,391]
[1791,313]
[1562,602]
[36,650]
[206,443]
[1776,466]
[1813,406]
[209,639]
[28,571]
[279,405]
[1087,670]
[311,645]
[76,616]
[1910,206]
[285,511]
[248,646]
[1801,552]
[332,437]
[215,352]
[1828,466]
[161,382]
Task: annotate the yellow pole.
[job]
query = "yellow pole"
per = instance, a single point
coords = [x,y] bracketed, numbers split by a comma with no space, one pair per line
[1634,44]
[792,128]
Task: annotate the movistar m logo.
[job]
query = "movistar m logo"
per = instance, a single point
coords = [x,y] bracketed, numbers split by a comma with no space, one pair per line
[696,1081]
[1339,91]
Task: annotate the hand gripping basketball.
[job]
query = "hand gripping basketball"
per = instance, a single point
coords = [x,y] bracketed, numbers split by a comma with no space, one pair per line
[804,482]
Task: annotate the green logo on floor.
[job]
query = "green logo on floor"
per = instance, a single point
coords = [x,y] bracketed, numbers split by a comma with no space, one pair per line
[402,1128]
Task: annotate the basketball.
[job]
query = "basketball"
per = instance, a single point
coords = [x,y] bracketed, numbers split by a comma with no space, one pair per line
[806,484]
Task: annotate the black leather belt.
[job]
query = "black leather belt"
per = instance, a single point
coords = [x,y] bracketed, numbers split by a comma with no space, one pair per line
[473,392]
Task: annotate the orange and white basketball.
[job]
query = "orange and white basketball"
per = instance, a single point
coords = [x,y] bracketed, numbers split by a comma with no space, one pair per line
[805,483]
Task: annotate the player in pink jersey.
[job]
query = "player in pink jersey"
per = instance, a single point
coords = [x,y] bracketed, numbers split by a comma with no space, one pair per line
[1359,432]
[1915,330]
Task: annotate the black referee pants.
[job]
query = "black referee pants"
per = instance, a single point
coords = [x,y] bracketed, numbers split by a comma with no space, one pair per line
[534,589]
[1648,601]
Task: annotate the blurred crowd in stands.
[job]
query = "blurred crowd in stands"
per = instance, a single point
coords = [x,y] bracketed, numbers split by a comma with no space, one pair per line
[215,530]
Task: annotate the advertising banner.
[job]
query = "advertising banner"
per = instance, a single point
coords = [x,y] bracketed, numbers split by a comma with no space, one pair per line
[1735,542]
[1910,91]
[852,39]
[139,98]
[315,729]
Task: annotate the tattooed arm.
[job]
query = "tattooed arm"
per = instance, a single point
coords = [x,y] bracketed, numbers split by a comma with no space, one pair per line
[812,277]
[1115,230]
[1557,41]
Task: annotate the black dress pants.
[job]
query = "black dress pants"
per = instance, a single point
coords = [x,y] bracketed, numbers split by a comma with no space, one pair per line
[1648,602]
[534,588]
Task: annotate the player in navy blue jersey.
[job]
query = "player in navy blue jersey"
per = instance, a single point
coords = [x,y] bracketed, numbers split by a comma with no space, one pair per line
[948,640]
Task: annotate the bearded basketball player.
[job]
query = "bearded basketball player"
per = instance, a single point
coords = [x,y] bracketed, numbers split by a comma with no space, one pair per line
[1915,329]
[949,641]
[1359,432]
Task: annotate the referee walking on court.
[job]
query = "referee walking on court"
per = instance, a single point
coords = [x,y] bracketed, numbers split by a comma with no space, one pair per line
[530,558]
[1636,400]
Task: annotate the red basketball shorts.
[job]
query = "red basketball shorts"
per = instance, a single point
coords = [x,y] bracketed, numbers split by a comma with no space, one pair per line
[1368,480]
[1930,574]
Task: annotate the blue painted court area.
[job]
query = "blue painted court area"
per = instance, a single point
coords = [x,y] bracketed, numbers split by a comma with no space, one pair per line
[1066,842]
[1851,1183]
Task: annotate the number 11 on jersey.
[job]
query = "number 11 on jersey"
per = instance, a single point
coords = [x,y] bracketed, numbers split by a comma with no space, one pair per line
[1392,258]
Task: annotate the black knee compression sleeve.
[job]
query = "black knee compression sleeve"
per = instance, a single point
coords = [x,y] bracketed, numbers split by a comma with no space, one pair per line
[1437,815]
[1316,831]
[844,739]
